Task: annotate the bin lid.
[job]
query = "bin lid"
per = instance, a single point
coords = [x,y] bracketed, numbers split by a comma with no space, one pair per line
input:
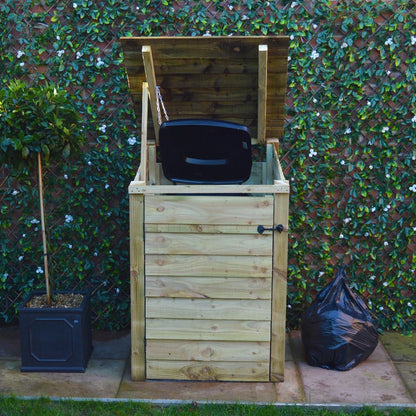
[212,77]
[200,151]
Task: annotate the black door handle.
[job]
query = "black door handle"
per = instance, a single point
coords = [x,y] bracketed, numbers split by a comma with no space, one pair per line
[261,229]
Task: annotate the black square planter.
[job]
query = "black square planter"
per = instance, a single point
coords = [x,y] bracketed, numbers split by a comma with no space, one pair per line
[55,339]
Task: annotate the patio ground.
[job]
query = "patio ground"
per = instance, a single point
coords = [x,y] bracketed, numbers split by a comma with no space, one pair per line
[387,377]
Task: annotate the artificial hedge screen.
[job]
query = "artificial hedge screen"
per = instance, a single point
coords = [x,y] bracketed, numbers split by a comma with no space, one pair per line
[349,147]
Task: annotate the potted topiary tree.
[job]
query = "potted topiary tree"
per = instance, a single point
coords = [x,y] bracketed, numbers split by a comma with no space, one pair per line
[37,123]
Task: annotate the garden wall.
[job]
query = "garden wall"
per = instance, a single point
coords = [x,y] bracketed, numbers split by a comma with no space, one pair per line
[349,147]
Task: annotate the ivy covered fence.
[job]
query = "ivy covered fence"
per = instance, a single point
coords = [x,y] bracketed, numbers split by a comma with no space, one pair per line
[349,148]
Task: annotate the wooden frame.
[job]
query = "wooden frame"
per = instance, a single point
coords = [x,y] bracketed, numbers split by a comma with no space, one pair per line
[208,291]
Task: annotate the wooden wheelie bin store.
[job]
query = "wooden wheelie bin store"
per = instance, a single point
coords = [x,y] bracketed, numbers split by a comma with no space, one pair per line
[208,286]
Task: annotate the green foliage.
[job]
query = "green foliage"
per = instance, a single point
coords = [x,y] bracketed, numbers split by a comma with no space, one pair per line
[349,147]
[38,119]
[45,407]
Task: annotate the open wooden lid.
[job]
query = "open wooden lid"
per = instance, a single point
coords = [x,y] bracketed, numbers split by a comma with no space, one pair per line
[241,79]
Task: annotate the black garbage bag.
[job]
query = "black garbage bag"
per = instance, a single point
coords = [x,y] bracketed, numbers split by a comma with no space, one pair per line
[337,330]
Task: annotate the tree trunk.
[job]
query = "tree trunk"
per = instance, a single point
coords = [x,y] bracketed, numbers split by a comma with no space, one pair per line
[42,220]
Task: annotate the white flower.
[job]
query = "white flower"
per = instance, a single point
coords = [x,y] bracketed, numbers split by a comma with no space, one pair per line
[317,114]
[347,220]
[78,54]
[389,41]
[34,221]
[344,45]
[372,277]
[74,5]
[373,209]
[315,26]
[314,54]
[369,103]
[342,162]
[312,152]
[58,37]
[366,234]
[385,129]
[409,304]
[91,190]
[291,37]
[413,40]
[245,17]
[381,308]
[69,218]
[117,290]
[102,102]
[102,128]
[294,4]
[341,236]
[89,163]
[106,186]
[69,245]
[20,258]
[5,276]
[132,140]
[314,100]
[388,72]
[100,62]
[230,7]
[347,131]
[22,64]
[414,119]
[65,176]
[95,254]
[20,54]
[385,284]
[412,188]
[386,243]
[39,270]
[15,192]
[207,33]
[60,52]
[371,167]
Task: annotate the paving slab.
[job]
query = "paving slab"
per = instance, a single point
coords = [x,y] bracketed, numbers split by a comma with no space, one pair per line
[400,347]
[101,379]
[197,390]
[402,350]
[407,372]
[375,380]
[9,342]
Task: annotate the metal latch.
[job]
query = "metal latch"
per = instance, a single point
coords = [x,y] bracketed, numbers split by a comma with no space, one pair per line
[261,229]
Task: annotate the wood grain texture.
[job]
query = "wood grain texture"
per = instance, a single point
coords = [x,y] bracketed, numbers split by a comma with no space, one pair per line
[208,287]
[209,371]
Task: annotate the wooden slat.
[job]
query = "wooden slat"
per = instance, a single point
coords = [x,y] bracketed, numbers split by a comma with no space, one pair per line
[235,47]
[151,80]
[217,266]
[143,151]
[137,288]
[262,94]
[208,287]
[208,209]
[207,350]
[209,244]
[231,309]
[204,330]
[194,370]
[201,228]
[277,349]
